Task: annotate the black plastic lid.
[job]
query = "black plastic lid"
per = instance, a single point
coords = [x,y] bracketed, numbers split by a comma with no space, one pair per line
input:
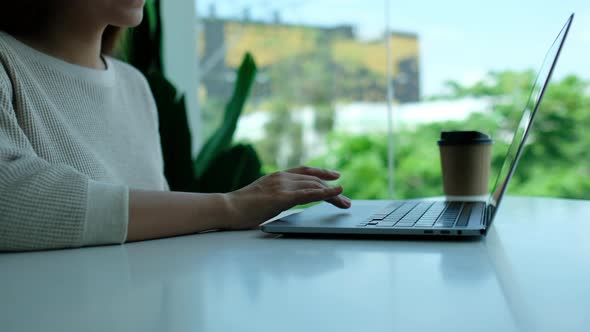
[463,138]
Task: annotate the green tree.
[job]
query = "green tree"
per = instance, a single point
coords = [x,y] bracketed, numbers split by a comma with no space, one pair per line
[556,161]
[559,143]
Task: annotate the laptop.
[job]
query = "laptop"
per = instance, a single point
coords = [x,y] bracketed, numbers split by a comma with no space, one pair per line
[427,217]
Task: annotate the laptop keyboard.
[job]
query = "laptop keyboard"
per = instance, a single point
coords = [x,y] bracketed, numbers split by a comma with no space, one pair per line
[420,215]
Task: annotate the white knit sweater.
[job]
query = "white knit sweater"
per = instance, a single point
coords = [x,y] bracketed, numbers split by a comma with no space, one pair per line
[73,140]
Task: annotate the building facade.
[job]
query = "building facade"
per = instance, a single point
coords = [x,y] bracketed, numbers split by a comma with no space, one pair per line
[310,64]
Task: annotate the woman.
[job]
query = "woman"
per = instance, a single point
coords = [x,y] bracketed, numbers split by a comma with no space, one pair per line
[80,161]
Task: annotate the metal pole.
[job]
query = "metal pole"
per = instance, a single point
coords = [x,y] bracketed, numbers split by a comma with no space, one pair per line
[390,97]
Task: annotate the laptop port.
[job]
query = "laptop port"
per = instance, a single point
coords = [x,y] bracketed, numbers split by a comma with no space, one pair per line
[445,232]
[428,232]
[459,232]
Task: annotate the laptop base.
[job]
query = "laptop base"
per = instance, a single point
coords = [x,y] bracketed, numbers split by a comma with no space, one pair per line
[327,219]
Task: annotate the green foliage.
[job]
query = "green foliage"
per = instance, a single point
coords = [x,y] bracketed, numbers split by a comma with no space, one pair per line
[175,134]
[283,145]
[232,169]
[142,49]
[307,80]
[362,159]
[220,167]
[556,160]
[505,83]
[211,117]
[363,162]
[222,138]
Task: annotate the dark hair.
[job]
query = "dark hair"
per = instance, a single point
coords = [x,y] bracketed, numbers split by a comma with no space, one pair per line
[28,17]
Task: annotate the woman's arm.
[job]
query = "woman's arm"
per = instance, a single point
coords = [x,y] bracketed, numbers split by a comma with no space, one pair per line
[163,214]
[157,214]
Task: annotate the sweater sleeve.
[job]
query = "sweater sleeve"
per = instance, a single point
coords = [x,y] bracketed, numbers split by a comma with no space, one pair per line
[47,206]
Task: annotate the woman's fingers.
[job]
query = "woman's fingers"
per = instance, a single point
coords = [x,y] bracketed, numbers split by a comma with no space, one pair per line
[315,183]
[340,201]
[310,195]
[308,184]
[323,174]
[311,178]
[307,178]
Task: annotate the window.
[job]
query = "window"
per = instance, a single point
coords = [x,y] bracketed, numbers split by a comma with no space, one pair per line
[321,95]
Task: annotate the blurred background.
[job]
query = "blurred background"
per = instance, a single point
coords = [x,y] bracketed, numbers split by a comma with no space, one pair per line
[325,67]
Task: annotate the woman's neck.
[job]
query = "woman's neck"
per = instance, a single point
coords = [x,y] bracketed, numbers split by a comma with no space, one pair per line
[77,46]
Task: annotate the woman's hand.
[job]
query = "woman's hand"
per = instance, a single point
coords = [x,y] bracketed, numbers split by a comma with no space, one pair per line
[157,214]
[280,191]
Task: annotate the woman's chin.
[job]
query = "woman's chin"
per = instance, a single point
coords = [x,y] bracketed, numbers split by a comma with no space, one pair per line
[132,19]
[138,3]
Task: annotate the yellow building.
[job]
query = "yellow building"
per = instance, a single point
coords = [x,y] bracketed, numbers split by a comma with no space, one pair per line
[348,68]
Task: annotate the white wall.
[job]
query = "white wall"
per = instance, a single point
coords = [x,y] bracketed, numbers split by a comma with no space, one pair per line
[180,57]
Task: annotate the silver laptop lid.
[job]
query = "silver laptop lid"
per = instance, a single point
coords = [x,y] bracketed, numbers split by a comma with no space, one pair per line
[526,121]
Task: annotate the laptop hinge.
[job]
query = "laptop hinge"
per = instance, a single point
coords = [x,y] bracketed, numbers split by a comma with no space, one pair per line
[488,215]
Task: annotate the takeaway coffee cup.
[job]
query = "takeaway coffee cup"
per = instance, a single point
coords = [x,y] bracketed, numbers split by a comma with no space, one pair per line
[465,159]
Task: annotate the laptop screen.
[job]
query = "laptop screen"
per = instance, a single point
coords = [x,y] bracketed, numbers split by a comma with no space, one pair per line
[530,110]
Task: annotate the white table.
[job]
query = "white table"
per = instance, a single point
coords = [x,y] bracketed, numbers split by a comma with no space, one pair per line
[531,273]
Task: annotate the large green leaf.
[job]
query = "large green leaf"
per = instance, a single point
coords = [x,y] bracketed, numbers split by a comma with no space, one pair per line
[219,167]
[222,138]
[175,134]
[231,170]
